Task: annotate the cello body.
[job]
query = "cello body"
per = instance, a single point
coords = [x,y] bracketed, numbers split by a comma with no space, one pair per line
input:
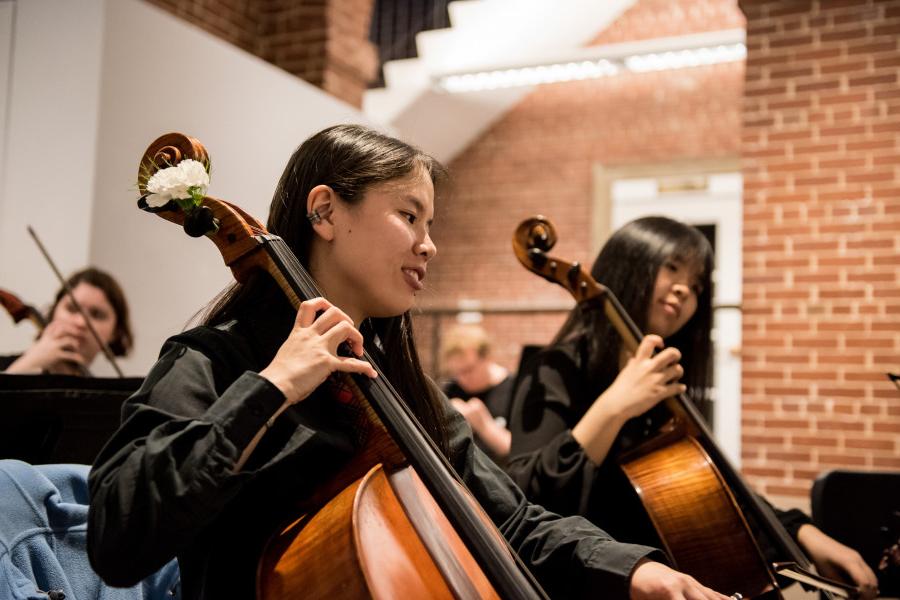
[702,528]
[381,537]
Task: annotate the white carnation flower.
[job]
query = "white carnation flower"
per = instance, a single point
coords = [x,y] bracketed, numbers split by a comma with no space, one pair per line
[175,183]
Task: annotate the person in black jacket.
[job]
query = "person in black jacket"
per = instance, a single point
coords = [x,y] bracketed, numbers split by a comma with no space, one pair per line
[236,422]
[583,398]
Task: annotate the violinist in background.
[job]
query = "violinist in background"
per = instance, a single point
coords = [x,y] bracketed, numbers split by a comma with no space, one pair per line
[583,397]
[479,388]
[238,420]
[66,346]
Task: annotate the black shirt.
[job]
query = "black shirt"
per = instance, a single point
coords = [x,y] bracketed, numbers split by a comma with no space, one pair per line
[5,361]
[163,486]
[497,399]
[553,393]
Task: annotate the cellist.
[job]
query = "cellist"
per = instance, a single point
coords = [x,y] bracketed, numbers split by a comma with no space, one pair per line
[181,476]
[583,398]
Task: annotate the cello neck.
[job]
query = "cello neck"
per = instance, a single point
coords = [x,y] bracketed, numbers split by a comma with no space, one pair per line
[509,577]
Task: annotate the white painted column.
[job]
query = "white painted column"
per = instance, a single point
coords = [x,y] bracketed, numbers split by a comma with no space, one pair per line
[51,91]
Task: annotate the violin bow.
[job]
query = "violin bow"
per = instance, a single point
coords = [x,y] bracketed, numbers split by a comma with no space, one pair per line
[103,345]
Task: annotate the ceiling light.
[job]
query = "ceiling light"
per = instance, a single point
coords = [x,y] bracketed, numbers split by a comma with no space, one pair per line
[604,61]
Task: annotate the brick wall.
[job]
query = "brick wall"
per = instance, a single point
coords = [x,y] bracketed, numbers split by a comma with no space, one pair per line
[821,147]
[323,42]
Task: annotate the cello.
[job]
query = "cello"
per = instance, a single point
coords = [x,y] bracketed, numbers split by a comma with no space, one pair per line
[397,520]
[697,502]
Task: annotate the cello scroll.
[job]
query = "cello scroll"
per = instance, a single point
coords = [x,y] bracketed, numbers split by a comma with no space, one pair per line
[533,238]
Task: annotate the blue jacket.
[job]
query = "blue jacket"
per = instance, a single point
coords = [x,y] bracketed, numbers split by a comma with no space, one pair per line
[43,539]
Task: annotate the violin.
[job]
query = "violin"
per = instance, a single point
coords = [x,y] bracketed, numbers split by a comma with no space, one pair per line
[19,311]
[398,521]
[697,501]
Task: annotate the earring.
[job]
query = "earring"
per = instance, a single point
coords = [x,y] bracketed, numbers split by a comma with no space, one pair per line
[314,217]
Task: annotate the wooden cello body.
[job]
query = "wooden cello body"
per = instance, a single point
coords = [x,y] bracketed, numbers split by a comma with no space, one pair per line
[381,537]
[397,520]
[700,523]
[698,503]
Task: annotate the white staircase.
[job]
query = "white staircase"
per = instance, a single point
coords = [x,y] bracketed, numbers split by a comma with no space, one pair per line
[484,35]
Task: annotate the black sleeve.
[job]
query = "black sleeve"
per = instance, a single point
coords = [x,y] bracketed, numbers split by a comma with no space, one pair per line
[570,557]
[792,520]
[545,460]
[5,361]
[168,470]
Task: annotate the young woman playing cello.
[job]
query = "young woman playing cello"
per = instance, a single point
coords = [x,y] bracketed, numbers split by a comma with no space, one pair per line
[583,397]
[182,478]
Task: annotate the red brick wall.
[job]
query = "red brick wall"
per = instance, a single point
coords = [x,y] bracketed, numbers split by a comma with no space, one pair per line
[538,159]
[821,147]
[324,43]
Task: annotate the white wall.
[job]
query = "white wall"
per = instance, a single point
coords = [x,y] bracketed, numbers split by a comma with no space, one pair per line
[7,15]
[52,93]
[157,74]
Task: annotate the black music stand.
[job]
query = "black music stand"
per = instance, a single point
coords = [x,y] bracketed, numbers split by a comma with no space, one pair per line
[59,418]
[861,510]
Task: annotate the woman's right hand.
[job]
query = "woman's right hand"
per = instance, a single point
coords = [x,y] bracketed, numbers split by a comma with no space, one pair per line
[645,380]
[56,351]
[310,353]
[655,581]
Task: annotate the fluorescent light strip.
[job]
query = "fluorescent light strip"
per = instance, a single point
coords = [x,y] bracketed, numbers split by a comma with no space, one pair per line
[505,78]
[679,59]
[592,69]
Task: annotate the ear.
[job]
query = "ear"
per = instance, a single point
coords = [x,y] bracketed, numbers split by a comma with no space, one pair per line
[322,200]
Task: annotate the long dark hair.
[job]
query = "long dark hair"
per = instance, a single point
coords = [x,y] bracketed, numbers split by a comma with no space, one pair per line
[122,339]
[349,159]
[628,265]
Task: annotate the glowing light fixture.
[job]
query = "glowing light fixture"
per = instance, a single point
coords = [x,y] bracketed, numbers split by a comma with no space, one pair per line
[504,78]
[659,55]
[685,58]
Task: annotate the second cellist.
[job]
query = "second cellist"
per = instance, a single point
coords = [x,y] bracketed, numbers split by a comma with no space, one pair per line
[586,398]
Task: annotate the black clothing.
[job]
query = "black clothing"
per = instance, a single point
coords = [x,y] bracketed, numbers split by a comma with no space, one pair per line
[164,486]
[5,361]
[497,399]
[553,394]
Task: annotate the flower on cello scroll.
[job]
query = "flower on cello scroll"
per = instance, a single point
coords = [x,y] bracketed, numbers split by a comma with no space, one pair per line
[185,183]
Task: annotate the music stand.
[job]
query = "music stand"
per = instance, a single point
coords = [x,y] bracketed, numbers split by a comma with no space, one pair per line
[59,418]
[859,509]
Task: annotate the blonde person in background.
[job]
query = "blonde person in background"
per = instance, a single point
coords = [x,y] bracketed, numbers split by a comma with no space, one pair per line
[479,388]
